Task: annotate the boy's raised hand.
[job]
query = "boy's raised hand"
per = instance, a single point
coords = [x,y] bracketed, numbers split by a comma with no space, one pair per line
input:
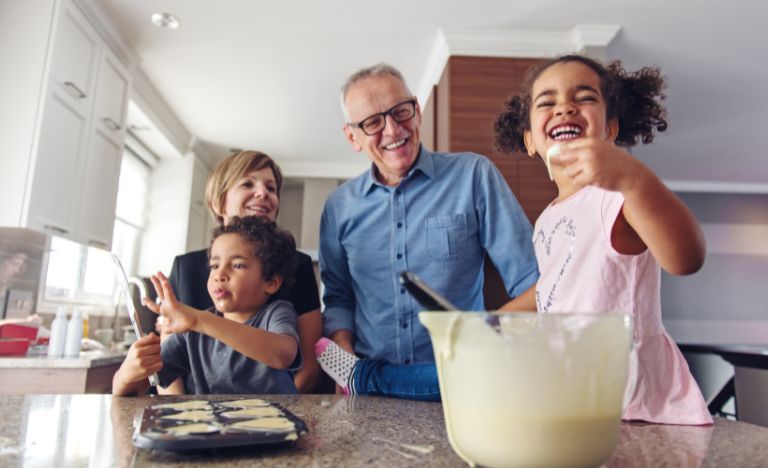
[178,317]
[594,161]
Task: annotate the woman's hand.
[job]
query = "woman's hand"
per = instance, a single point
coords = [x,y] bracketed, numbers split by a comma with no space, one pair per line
[177,317]
[593,161]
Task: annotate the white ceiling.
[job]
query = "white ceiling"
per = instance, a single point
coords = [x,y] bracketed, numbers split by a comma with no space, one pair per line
[265,75]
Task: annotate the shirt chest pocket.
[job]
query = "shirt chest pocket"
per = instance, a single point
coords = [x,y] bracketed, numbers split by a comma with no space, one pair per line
[450,237]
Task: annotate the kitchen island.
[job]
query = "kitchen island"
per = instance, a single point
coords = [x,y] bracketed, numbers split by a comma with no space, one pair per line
[90,372]
[96,430]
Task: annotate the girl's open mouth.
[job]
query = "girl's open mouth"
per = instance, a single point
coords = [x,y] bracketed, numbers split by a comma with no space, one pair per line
[565,132]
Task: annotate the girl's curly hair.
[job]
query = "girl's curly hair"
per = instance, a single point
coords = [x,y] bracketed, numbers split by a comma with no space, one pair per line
[634,98]
[272,246]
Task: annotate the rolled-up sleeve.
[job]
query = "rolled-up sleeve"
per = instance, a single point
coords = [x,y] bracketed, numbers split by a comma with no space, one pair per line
[505,231]
[338,297]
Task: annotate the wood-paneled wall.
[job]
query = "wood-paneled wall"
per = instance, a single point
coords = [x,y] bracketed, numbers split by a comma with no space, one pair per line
[470,96]
[477,88]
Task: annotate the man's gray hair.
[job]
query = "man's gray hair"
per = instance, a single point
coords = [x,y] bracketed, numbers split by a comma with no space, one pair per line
[379,69]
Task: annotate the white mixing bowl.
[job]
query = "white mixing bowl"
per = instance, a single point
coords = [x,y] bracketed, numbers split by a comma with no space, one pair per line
[531,389]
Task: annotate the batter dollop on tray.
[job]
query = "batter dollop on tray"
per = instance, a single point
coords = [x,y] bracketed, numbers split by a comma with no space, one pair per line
[257,412]
[195,428]
[197,415]
[247,403]
[264,424]
[185,405]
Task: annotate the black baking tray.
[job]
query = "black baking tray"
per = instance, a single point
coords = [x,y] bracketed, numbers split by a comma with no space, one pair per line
[150,431]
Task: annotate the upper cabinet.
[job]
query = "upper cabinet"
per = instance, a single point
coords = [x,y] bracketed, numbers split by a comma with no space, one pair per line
[65,159]
[103,156]
[75,56]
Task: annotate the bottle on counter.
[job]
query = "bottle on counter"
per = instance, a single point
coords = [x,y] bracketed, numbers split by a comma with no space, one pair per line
[86,330]
[58,333]
[74,334]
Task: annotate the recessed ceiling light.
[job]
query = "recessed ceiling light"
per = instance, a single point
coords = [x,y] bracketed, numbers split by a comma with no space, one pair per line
[165,20]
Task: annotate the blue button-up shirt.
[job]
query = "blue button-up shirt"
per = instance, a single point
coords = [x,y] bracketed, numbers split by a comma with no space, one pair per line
[438,223]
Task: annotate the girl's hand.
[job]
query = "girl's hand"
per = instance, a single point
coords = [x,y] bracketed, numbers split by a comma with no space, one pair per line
[143,359]
[177,317]
[593,161]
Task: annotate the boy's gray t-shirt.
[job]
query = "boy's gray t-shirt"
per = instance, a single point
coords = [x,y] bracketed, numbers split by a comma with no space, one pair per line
[209,366]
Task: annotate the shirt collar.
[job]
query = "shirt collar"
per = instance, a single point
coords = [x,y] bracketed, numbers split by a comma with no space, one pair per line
[424,164]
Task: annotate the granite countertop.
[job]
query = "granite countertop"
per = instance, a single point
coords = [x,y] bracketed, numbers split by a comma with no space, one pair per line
[86,360]
[96,430]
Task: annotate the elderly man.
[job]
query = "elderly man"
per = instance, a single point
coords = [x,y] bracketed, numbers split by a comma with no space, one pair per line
[434,214]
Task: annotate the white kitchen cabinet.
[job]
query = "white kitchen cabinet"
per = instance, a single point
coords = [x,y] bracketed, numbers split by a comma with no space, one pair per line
[75,56]
[66,160]
[63,133]
[99,192]
[101,172]
[111,103]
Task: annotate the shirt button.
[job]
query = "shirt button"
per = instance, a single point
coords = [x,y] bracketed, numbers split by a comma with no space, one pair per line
[402,290]
[399,225]
[399,256]
[397,191]
[404,325]
[407,361]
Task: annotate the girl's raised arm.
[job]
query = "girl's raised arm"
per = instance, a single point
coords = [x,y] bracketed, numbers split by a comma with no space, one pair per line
[663,223]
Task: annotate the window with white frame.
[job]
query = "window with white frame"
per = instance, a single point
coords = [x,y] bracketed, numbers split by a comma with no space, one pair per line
[130,216]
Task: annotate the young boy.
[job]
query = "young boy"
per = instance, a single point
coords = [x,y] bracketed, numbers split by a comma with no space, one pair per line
[244,344]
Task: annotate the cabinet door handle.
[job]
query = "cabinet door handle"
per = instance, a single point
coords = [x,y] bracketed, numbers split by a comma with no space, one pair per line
[79,92]
[111,124]
[97,243]
[54,228]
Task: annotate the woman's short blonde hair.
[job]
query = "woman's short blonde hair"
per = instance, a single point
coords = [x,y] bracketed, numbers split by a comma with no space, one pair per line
[229,171]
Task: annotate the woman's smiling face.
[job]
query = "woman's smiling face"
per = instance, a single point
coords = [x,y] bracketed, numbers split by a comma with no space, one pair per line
[254,194]
[566,103]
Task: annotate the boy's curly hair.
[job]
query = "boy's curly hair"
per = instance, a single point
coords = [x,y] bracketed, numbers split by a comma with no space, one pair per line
[634,98]
[272,246]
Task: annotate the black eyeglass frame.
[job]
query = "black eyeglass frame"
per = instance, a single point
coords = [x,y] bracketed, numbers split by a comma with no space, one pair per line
[412,101]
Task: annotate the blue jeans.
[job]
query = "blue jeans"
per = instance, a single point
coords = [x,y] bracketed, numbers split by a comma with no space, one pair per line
[410,382]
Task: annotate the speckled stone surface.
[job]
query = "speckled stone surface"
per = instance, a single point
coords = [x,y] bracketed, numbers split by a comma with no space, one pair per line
[96,430]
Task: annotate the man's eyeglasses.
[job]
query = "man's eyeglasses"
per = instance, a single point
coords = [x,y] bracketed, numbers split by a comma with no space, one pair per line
[377,122]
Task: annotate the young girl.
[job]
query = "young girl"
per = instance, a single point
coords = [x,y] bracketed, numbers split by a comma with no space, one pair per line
[600,243]
[248,345]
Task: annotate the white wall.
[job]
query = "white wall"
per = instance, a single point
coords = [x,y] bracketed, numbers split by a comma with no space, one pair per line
[727,301]
[289,216]
[316,191]
[301,205]
[167,215]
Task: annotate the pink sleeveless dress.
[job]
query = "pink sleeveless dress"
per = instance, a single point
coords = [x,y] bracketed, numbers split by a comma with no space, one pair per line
[582,272]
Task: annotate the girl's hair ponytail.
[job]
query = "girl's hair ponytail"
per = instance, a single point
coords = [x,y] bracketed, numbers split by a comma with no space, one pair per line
[510,124]
[638,104]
